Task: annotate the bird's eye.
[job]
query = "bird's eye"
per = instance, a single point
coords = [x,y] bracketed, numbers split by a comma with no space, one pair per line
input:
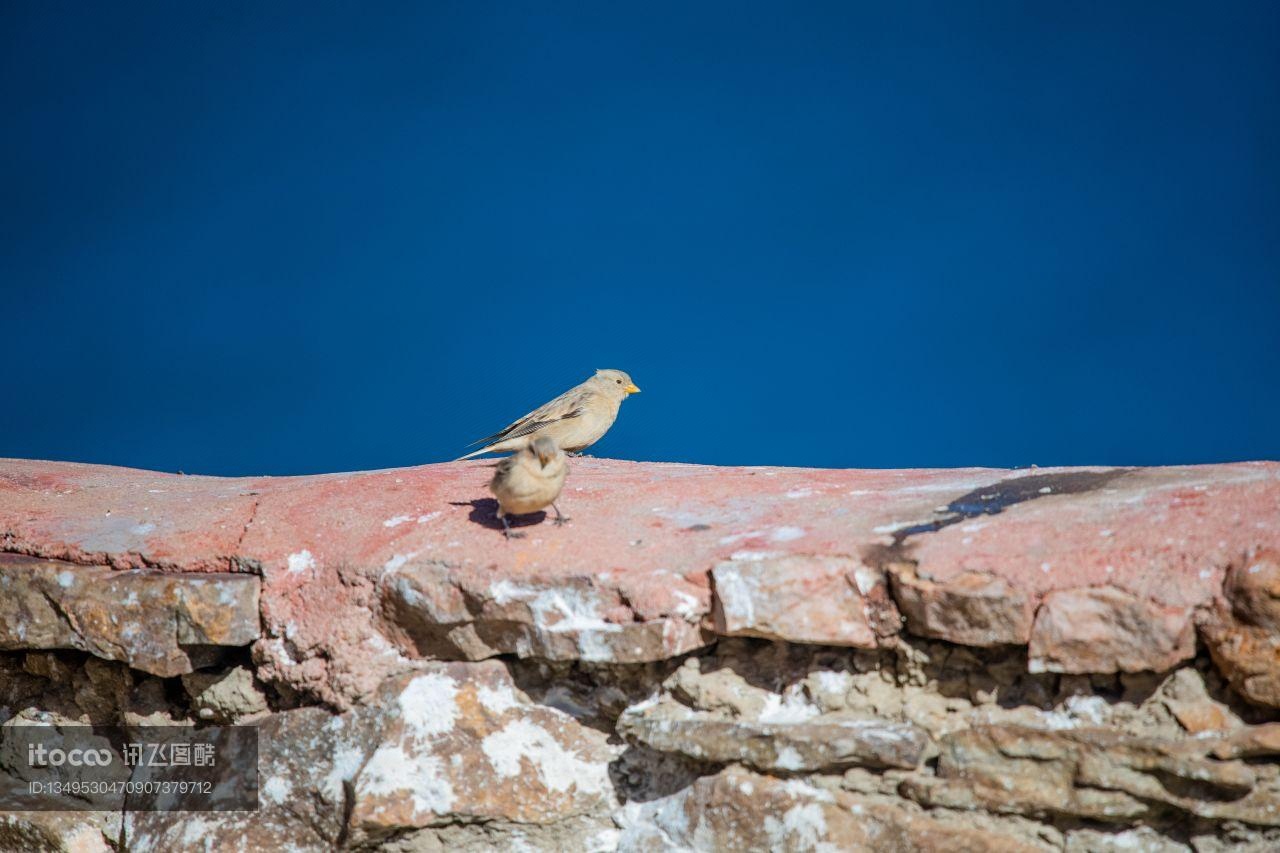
[619,381]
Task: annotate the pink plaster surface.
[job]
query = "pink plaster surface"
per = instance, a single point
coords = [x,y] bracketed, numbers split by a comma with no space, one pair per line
[1166,534]
[644,535]
[626,516]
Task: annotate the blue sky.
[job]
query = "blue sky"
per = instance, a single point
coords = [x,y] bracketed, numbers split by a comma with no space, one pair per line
[287,238]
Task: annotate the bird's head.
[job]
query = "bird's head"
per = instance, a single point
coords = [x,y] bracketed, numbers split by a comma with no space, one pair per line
[545,448]
[616,382]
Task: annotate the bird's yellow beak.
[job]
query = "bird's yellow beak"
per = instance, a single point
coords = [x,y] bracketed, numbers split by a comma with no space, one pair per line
[632,389]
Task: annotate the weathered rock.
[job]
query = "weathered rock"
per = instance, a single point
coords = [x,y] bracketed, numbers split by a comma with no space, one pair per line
[1108,630]
[1236,838]
[1143,838]
[143,618]
[450,743]
[462,745]
[225,697]
[1162,535]
[1248,656]
[572,835]
[973,608]
[707,684]
[449,613]
[59,832]
[102,689]
[1185,696]
[306,759]
[804,599]
[1243,633]
[47,665]
[740,810]
[1098,774]
[1249,742]
[817,743]
[1253,588]
[976,772]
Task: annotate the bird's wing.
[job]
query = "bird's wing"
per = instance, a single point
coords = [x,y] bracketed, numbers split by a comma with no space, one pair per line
[570,404]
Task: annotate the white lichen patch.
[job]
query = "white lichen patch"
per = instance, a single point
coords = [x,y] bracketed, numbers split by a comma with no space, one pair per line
[396,521]
[559,611]
[497,700]
[558,768]
[597,644]
[789,759]
[798,788]
[736,593]
[392,773]
[1078,711]
[835,682]
[687,606]
[555,608]
[277,789]
[504,592]
[428,704]
[279,652]
[803,827]
[790,707]
[347,760]
[867,579]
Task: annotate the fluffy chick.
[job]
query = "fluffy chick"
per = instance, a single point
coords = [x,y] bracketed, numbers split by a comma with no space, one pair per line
[575,420]
[529,480]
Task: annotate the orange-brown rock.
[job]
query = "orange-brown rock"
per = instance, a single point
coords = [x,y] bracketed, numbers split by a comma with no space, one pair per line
[145,618]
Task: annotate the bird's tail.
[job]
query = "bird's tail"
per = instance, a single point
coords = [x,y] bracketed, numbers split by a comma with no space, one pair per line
[472,453]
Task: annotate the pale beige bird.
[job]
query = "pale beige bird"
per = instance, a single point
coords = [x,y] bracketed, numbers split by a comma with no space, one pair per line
[529,481]
[575,420]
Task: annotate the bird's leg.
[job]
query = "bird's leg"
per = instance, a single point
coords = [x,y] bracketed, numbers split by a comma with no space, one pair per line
[561,518]
[506,528]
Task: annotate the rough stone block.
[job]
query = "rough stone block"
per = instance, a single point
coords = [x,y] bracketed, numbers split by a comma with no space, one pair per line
[143,618]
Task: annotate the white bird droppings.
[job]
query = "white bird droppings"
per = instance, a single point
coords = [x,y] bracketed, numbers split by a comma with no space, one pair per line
[301,562]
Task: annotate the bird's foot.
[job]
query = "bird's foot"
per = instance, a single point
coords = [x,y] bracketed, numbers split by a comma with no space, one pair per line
[506,529]
[561,518]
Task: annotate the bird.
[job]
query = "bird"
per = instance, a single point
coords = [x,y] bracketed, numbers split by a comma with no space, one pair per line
[575,420]
[529,480]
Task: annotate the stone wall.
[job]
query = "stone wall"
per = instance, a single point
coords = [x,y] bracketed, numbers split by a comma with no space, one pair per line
[704,658]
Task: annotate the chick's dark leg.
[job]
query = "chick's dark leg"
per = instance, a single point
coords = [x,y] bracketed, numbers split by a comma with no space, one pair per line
[561,518]
[506,528]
